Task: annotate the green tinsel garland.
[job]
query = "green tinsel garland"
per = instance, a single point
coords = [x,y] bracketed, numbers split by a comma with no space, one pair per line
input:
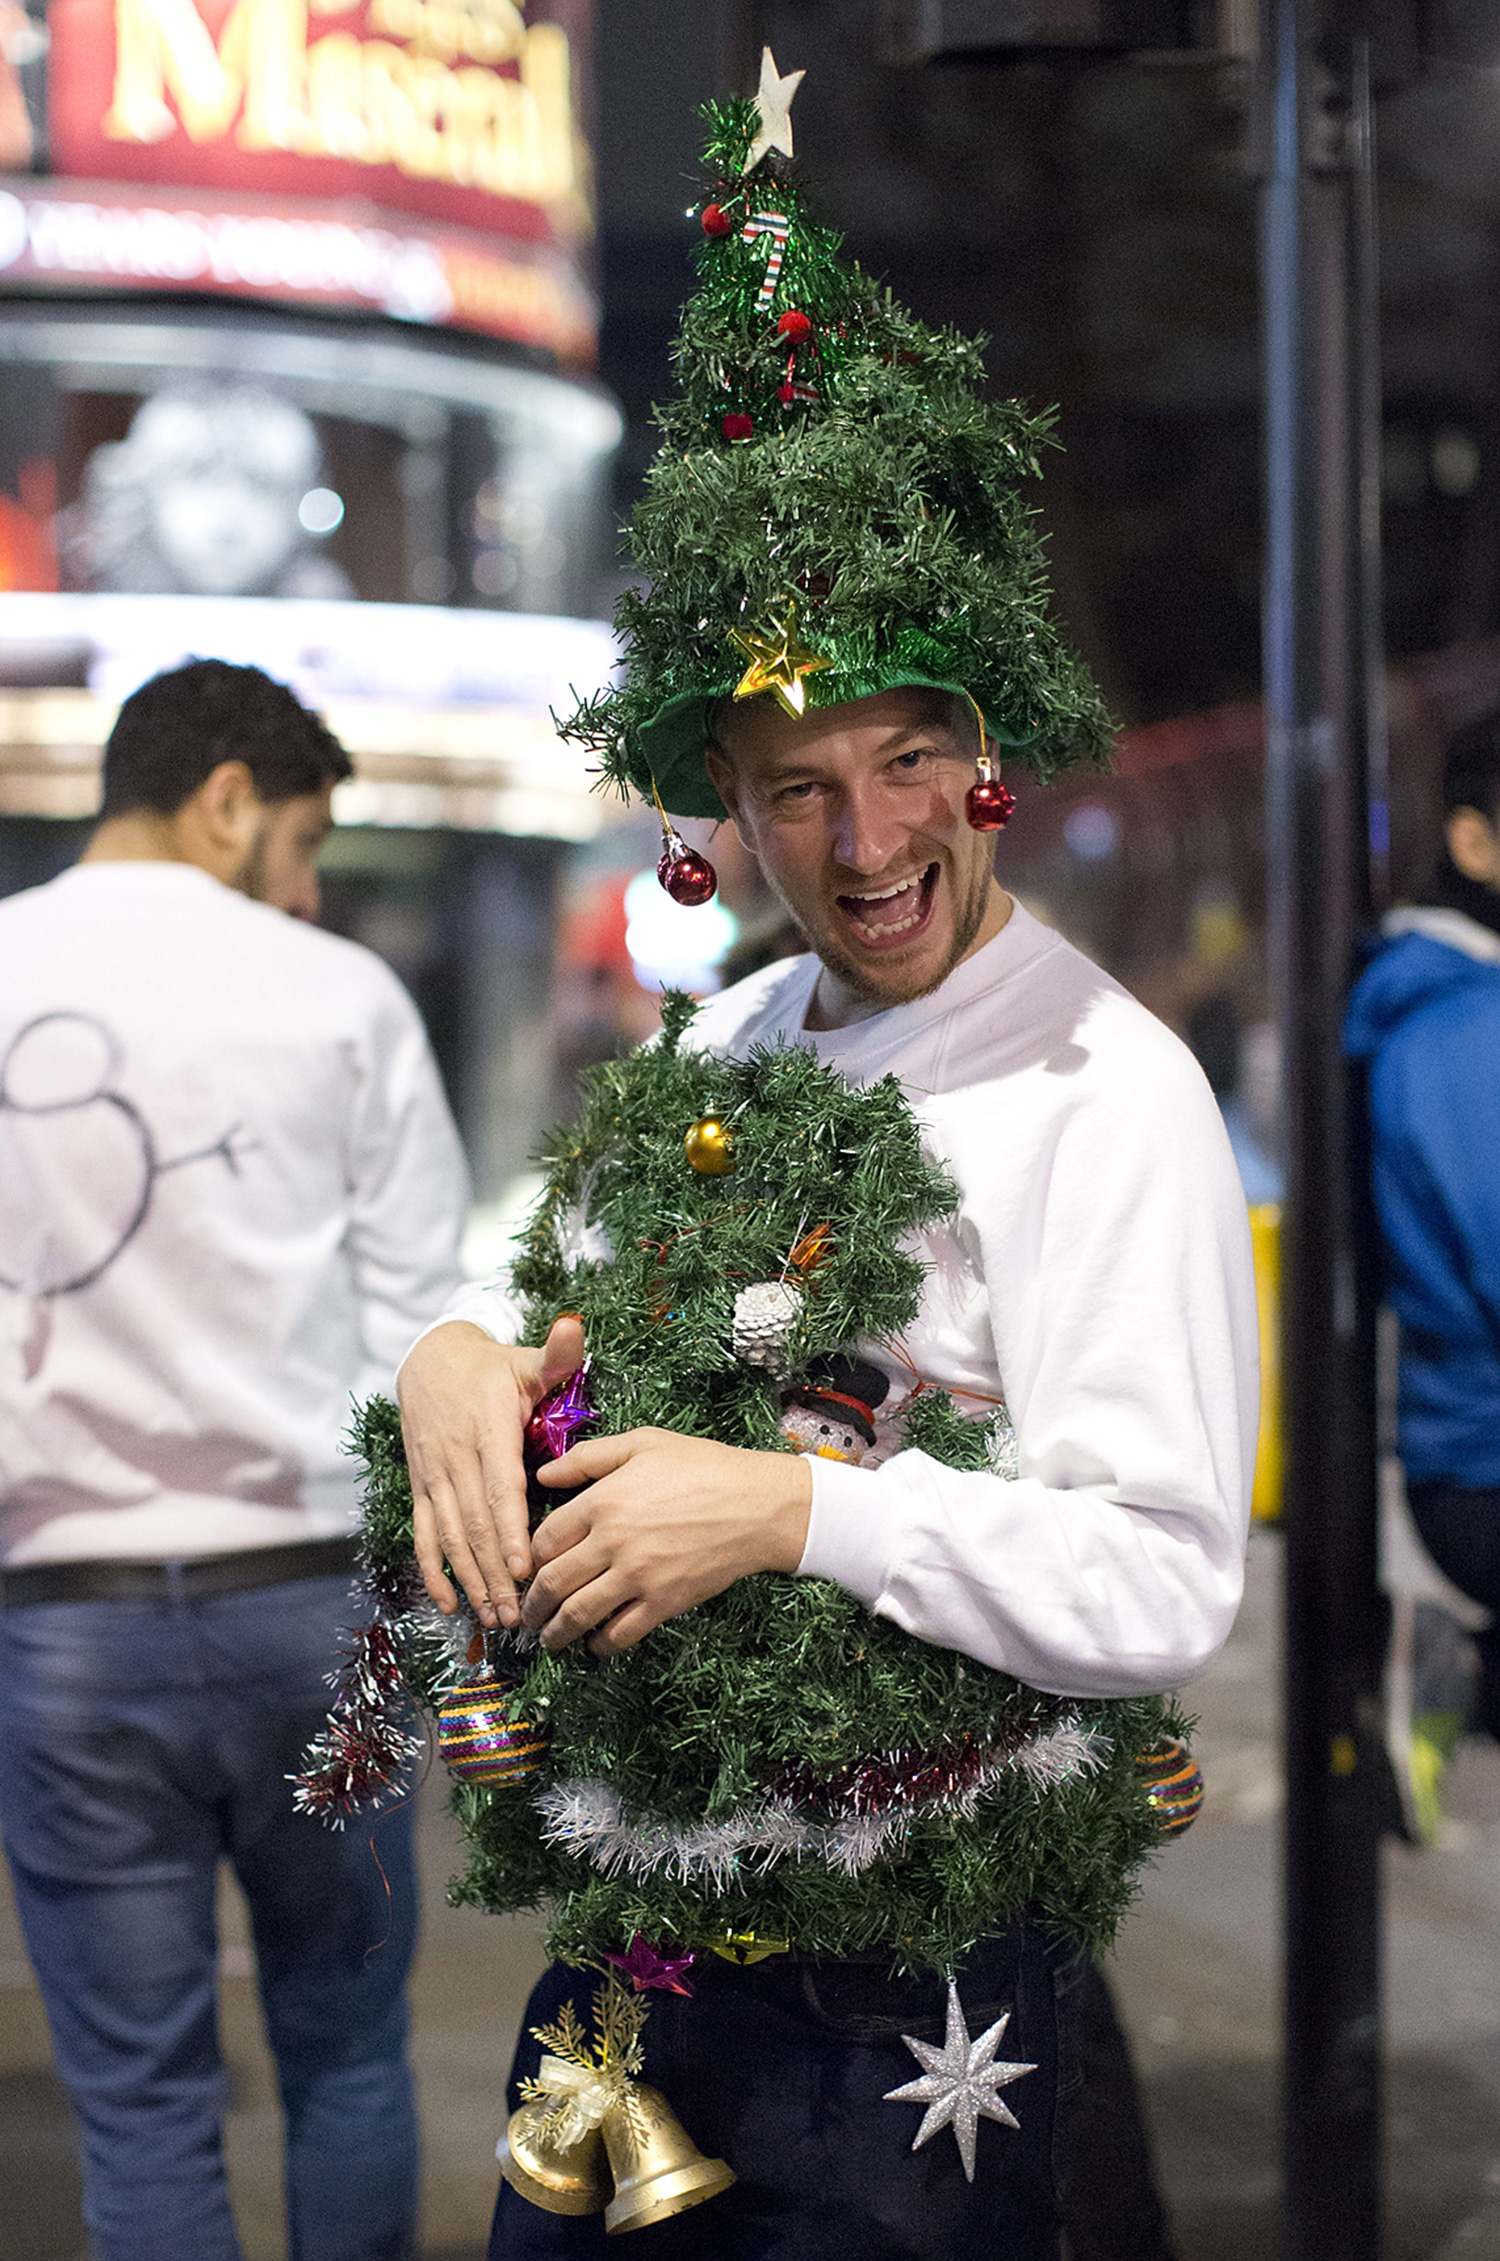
[777,1676]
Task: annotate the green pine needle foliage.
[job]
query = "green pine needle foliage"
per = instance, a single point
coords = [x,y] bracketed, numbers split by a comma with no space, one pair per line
[778,1676]
[891,506]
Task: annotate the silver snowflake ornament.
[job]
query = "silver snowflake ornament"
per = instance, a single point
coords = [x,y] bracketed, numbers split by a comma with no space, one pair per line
[960,2082]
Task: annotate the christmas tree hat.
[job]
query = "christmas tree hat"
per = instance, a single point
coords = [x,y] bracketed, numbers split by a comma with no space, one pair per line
[835,509]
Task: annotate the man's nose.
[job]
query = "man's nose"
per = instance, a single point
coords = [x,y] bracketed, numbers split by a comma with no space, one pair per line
[868,834]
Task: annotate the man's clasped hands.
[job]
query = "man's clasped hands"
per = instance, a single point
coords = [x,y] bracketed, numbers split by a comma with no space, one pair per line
[662,1521]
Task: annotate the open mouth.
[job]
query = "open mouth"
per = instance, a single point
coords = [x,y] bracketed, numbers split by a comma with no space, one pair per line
[884,918]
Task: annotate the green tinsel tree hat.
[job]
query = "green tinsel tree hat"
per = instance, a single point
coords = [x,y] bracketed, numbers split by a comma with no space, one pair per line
[834,510]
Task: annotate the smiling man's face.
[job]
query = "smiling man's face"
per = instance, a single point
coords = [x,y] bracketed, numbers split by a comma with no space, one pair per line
[855,815]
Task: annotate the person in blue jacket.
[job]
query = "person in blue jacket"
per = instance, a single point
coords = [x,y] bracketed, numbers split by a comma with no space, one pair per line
[1426,1016]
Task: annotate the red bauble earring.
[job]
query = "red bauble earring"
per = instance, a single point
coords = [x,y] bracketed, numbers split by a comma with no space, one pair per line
[989,805]
[690,879]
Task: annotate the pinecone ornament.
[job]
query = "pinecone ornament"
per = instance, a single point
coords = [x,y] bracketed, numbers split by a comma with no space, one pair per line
[764,1316]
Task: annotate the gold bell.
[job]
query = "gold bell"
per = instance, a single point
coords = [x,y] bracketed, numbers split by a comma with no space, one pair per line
[564,2181]
[658,2170]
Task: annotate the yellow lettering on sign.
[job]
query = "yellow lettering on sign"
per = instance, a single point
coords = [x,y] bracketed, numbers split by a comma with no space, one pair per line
[487,31]
[367,101]
[260,61]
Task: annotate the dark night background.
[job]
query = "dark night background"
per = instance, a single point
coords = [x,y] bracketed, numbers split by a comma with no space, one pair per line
[1096,218]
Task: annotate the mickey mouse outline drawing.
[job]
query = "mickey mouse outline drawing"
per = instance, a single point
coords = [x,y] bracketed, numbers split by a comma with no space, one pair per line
[58,1065]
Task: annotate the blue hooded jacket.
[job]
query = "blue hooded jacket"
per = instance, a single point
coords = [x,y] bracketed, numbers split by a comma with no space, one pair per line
[1426,1016]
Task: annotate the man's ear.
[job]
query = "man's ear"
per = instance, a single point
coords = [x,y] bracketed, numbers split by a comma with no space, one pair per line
[1474,846]
[721,776]
[227,806]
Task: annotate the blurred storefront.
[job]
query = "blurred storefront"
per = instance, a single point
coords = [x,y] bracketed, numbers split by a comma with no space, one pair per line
[296,326]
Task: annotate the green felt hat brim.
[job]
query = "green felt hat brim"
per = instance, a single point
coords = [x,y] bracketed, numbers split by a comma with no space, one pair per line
[669,748]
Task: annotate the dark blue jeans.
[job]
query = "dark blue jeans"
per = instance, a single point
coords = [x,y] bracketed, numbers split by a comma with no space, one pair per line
[140,1744]
[782,2070]
[1460,1529]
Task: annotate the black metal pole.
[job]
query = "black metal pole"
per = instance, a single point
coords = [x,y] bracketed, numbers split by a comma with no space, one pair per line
[1322,722]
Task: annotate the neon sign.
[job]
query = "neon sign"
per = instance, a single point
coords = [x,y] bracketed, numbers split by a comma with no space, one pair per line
[460,109]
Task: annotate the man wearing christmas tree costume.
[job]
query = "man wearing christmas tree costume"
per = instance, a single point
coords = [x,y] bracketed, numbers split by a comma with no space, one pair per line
[844,632]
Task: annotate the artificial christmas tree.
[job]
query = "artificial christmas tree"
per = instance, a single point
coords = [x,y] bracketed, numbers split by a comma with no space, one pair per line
[777,1762]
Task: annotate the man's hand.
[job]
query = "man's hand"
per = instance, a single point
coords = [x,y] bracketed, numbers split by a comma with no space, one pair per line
[465,1401]
[665,1522]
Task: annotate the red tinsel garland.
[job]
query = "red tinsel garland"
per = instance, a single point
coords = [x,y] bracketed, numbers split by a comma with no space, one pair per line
[871,1786]
[367,1744]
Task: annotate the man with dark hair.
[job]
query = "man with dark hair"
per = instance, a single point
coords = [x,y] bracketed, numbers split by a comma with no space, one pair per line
[1426,1016]
[218,766]
[229,1185]
[176,730]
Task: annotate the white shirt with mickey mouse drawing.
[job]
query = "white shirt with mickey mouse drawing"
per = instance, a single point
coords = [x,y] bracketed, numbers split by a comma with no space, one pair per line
[230,1189]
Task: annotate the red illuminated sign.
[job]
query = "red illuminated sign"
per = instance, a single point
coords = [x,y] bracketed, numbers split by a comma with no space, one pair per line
[59,235]
[461,110]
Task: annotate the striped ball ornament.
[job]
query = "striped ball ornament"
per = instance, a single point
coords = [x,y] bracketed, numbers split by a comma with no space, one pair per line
[1174,1785]
[479,1740]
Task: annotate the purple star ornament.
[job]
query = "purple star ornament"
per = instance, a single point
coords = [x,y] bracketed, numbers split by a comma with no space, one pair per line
[549,1432]
[645,1965]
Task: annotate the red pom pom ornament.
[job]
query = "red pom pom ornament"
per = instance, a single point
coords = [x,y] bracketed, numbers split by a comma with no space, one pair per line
[737,425]
[716,221]
[794,326]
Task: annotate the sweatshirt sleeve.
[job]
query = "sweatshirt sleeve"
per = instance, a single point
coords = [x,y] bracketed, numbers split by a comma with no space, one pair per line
[1112,1244]
[487,1304]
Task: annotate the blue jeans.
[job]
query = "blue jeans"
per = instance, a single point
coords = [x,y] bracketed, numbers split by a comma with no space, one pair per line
[1460,1529]
[782,2069]
[140,1744]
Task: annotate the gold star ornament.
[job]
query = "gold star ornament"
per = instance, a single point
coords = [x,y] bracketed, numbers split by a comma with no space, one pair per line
[778,662]
[773,101]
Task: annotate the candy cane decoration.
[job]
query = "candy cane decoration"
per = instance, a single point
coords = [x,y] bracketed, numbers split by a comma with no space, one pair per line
[791,390]
[777,226]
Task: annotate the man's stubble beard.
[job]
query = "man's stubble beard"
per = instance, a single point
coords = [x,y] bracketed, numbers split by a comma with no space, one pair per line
[250,879]
[856,978]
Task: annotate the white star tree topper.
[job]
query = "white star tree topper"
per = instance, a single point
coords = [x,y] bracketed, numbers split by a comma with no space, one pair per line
[960,2082]
[774,102]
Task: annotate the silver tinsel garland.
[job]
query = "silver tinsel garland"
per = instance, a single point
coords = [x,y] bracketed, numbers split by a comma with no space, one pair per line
[585,1818]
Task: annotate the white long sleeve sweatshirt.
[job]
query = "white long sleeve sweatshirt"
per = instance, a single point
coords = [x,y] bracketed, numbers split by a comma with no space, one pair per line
[1097,1278]
[230,1191]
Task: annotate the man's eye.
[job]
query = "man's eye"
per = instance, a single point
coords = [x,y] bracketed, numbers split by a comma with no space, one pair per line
[799,792]
[911,760]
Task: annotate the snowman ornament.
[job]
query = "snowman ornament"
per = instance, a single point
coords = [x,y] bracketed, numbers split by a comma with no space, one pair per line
[830,1415]
[78,1166]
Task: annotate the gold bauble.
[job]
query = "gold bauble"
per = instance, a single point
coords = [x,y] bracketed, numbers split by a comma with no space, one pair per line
[710,1147]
